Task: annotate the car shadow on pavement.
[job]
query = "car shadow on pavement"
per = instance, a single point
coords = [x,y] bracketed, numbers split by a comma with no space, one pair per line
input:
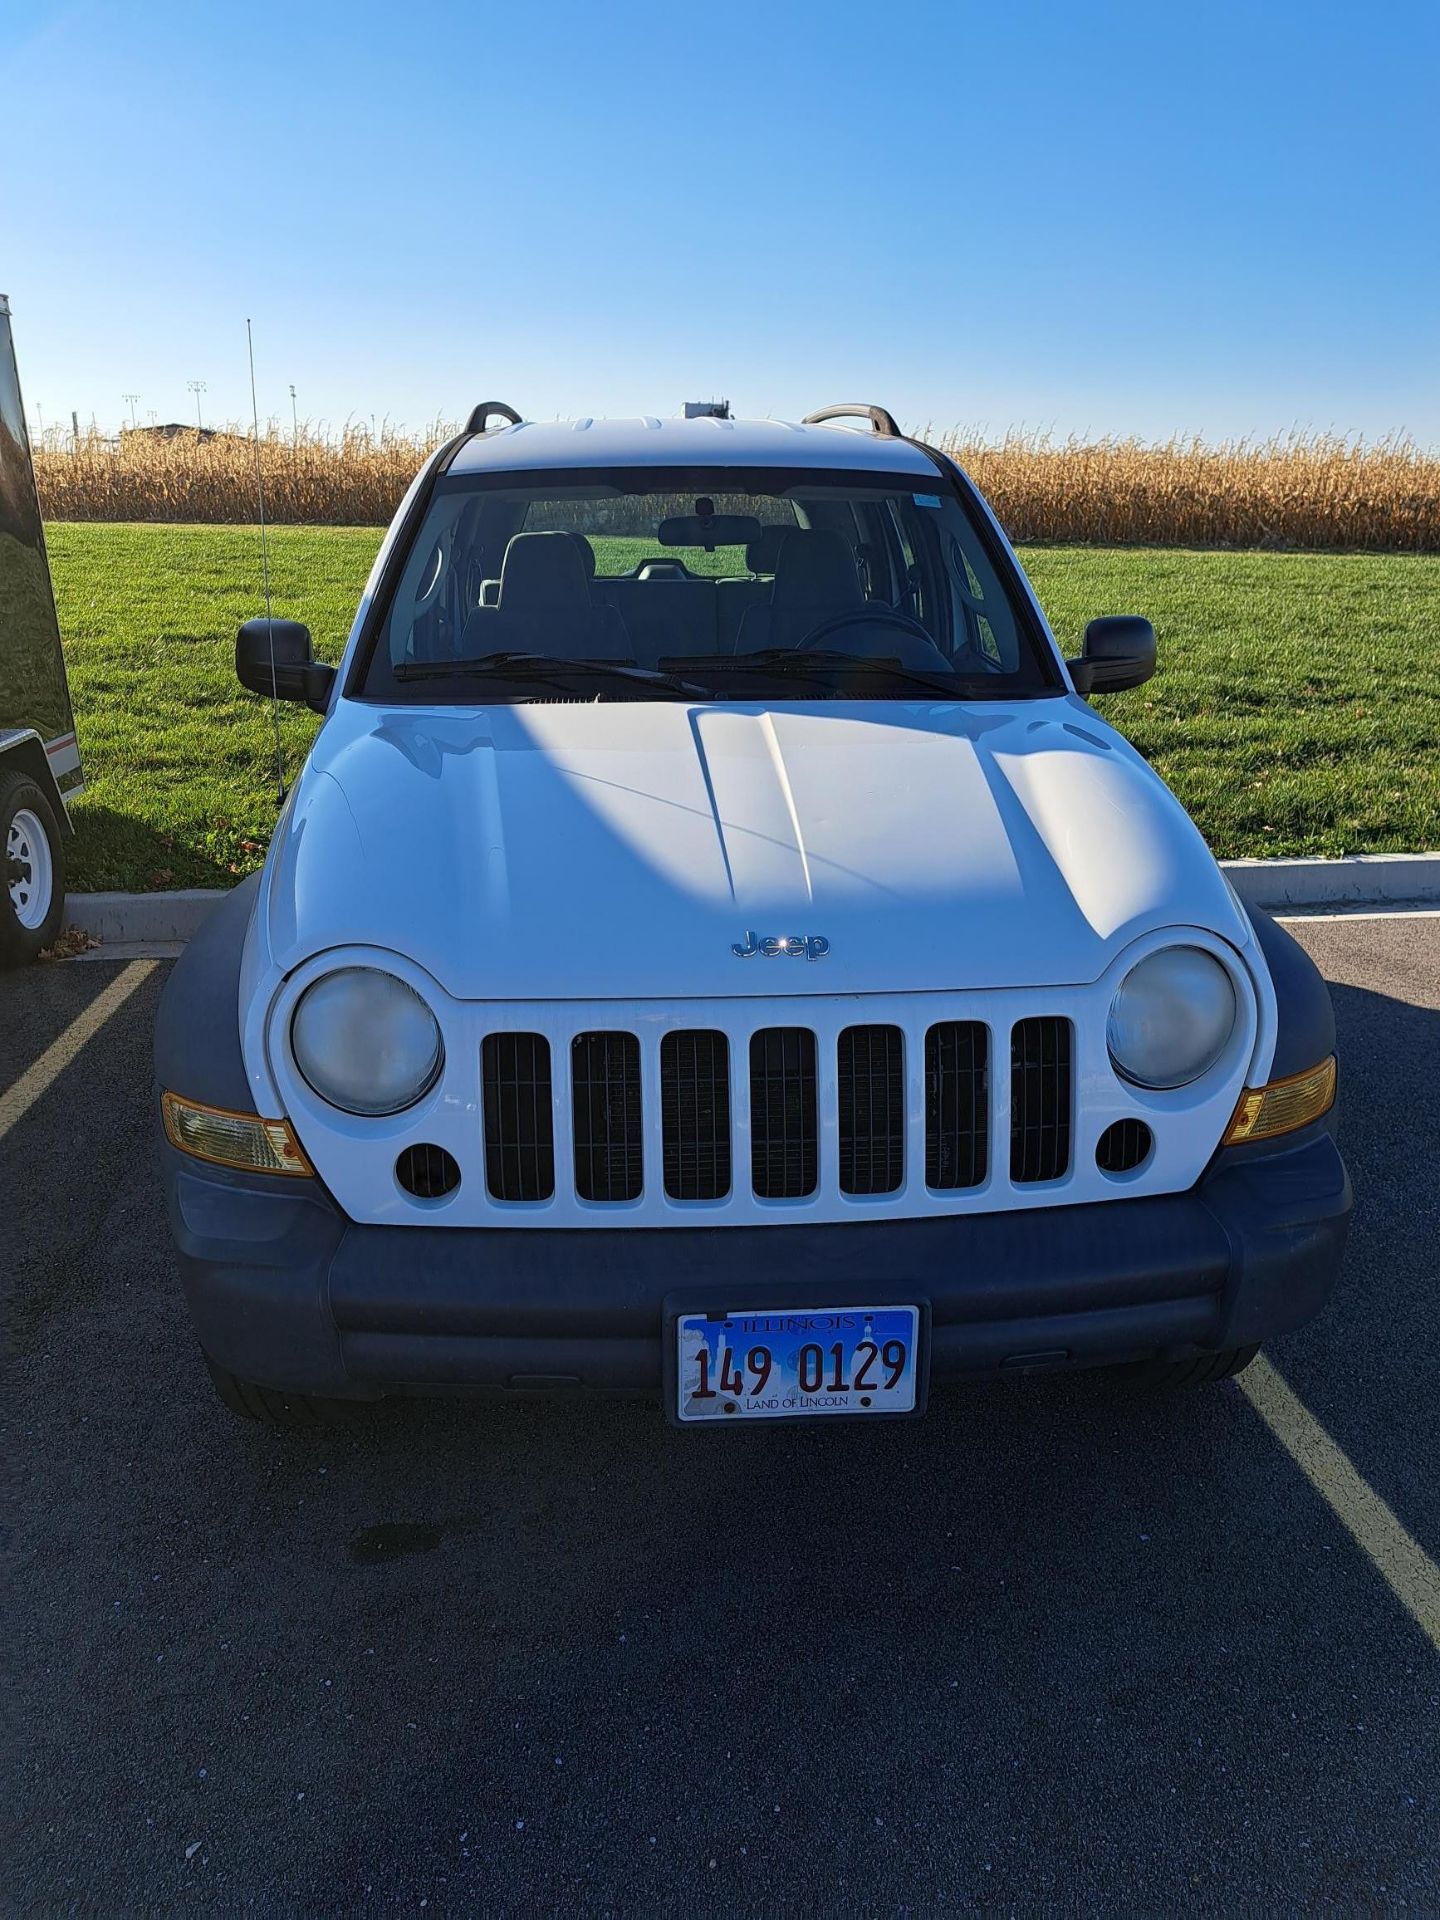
[1059,1641]
[1369,1367]
[1053,1625]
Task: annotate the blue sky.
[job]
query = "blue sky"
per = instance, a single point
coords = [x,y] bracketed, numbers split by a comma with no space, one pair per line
[1139,219]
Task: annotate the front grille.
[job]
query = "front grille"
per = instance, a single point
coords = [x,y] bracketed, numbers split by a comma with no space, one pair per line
[1039,1099]
[784,1129]
[870,1083]
[653,1112]
[695,1114]
[605,1084]
[957,1105]
[519,1125]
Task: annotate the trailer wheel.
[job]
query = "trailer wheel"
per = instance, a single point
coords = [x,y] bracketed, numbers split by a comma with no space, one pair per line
[32,886]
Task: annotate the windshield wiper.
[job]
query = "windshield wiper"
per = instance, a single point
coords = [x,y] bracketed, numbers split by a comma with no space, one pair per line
[816,662]
[543,667]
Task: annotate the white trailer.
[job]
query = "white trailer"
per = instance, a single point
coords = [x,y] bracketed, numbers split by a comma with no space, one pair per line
[39,754]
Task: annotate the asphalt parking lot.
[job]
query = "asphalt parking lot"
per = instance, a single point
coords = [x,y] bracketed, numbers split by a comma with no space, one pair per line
[1055,1646]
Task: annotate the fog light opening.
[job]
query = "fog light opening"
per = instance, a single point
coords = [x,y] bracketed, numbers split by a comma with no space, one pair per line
[1124,1147]
[427,1172]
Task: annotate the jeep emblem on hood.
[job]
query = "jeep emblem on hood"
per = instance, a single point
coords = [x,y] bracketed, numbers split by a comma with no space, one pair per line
[813,946]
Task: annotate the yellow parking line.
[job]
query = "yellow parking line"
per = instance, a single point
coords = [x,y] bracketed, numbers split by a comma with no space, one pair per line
[1409,1572]
[17,1102]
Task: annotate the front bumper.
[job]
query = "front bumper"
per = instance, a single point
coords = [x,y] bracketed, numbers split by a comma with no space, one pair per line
[287,1292]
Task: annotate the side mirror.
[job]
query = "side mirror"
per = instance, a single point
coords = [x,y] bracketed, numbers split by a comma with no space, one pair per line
[1119,652]
[297,675]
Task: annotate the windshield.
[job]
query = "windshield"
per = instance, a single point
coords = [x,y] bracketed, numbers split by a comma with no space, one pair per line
[728,585]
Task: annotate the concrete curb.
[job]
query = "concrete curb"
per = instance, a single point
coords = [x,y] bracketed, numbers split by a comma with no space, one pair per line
[118,918]
[1359,880]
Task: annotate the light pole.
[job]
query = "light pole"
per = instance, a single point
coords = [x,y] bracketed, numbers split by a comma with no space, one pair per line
[197,387]
[132,398]
[294,419]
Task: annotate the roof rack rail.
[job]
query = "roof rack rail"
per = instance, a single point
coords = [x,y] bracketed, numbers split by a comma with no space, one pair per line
[882,421]
[480,416]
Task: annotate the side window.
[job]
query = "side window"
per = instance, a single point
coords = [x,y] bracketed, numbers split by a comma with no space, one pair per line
[910,595]
[877,554]
[430,607]
[982,610]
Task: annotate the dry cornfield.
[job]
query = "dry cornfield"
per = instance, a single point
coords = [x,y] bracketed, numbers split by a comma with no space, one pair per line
[1301,491]
[355,479]
[1307,490]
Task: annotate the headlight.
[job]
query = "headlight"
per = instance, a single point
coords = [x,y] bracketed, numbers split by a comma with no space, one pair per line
[365,1041]
[1171,1018]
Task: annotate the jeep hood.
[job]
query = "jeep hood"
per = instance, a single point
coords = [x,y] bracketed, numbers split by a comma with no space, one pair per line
[581,850]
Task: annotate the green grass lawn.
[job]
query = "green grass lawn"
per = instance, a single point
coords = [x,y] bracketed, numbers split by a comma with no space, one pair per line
[1296,710]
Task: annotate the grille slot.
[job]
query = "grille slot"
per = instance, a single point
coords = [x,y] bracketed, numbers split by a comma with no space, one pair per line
[1040,1099]
[957,1105]
[871,1088]
[1123,1145]
[605,1088]
[784,1131]
[695,1114]
[519,1123]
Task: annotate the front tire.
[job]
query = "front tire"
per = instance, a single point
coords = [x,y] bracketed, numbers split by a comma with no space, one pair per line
[32,884]
[1201,1370]
[274,1407]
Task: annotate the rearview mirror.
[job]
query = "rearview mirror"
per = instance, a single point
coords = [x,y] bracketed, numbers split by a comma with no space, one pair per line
[712,531]
[1119,652]
[264,643]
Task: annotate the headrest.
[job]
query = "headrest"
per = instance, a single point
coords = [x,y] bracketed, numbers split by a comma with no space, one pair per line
[587,554]
[763,555]
[816,569]
[543,570]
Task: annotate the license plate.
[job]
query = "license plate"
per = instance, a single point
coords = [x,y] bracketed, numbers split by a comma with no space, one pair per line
[788,1365]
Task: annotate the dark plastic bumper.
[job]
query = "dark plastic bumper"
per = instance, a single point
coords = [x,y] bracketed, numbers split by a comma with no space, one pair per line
[287,1292]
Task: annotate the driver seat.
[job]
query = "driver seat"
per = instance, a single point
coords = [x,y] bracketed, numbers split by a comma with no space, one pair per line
[815,579]
[545,605]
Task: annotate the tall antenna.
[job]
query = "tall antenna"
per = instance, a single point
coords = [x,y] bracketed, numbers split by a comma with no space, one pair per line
[265,571]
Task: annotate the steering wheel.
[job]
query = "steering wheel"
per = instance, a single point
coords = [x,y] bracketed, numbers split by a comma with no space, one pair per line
[867,617]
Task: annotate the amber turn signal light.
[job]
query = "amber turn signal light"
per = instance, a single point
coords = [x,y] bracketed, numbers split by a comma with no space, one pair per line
[229,1139]
[1283,1106]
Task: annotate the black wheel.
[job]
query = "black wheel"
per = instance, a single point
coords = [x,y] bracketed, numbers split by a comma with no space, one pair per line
[32,887]
[1199,1371]
[273,1407]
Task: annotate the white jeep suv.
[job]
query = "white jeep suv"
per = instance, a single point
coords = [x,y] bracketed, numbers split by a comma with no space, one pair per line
[714,947]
